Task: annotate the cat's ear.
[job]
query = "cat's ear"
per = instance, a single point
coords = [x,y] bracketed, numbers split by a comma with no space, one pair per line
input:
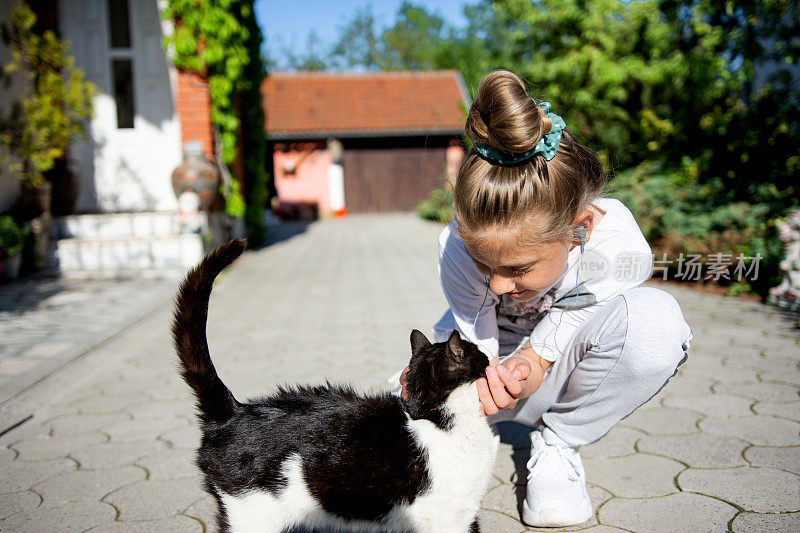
[455,347]
[418,341]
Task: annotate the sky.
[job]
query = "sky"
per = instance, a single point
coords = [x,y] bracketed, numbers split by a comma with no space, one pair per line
[288,24]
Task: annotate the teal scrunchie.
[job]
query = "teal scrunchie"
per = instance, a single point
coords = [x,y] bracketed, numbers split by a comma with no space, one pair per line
[546,146]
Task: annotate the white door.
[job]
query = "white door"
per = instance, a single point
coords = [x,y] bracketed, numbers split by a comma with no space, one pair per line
[135,135]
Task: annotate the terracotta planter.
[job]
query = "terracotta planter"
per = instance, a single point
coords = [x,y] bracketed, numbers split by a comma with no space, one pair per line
[10,267]
[34,201]
[65,178]
[196,174]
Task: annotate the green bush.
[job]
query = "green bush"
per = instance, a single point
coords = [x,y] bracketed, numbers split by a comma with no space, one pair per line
[438,206]
[677,214]
[11,237]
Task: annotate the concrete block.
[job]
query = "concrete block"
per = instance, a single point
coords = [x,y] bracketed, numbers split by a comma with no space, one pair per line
[18,502]
[661,421]
[174,463]
[781,458]
[760,430]
[153,500]
[763,392]
[675,513]
[634,476]
[111,455]
[20,475]
[700,450]
[716,405]
[790,410]
[79,516]
[84,485]
[618,442]
[775,523]
[55,447]
[760,490]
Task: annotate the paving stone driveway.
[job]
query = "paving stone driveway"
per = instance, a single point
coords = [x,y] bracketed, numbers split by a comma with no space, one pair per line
[110,442]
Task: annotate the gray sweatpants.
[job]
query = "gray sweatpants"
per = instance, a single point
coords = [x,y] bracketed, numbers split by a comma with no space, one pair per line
[618,359]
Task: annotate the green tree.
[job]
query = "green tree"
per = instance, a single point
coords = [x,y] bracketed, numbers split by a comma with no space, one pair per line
[415,40]
[314,58]
[747,139]
[359,44]
[57,105]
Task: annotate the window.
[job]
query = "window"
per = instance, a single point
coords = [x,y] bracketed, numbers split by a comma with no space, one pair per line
[118,24]
[122,76]
[121,54]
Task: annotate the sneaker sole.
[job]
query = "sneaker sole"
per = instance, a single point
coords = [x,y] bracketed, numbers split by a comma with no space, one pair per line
[557,517]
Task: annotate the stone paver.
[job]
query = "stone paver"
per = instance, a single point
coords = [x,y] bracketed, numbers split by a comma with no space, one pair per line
[686,512]
[752,489]
[782,458]
[106,436]
[85,485]
[699,450]
[110,455]
[55,447]
[618,442]
[774,523]
[78,516]
[763,392]
[761,430]
[154,499]
[790,410]
[716,405]
[622,476]
[173,524]
[22,475]
[46,323]
[18,502]
[662,421]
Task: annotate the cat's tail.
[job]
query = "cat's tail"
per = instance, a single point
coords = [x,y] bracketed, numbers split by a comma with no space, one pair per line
[215,402]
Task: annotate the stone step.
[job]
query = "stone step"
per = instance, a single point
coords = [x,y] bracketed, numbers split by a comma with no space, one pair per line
[115,225]
[132,257]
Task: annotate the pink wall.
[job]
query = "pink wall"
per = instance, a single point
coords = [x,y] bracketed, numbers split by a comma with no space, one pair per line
[454,156]
[309,182]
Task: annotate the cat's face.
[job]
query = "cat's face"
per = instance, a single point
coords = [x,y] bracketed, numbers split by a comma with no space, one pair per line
[438,369]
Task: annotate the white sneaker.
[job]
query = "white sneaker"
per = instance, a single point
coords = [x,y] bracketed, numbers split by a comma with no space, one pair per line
[556,486]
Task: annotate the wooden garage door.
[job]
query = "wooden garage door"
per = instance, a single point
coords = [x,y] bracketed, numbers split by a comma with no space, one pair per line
[390,179]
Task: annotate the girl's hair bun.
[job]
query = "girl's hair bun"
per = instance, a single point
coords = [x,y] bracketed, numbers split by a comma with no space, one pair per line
[504,116]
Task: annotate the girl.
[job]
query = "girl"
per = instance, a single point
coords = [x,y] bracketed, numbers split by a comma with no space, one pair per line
[543,275]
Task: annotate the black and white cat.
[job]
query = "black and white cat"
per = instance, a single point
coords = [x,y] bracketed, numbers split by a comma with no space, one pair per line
[329,457]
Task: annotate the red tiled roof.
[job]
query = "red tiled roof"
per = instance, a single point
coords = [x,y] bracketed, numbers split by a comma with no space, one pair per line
[322,104]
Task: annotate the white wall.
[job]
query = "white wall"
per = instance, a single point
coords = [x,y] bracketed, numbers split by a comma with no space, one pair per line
[125,169]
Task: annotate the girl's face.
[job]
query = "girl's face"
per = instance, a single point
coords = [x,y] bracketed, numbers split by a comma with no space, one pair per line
[521,272]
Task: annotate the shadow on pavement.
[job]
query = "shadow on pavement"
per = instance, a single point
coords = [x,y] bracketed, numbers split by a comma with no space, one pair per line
[283,230]
[519,437]
[19,295]
[789,322]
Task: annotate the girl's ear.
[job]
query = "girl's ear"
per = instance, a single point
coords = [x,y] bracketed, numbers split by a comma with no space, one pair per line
[583,227]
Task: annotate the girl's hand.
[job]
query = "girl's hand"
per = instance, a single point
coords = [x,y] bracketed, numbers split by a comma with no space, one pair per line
[505,384]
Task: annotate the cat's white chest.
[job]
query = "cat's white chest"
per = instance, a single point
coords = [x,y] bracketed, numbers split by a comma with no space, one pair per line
[460,464]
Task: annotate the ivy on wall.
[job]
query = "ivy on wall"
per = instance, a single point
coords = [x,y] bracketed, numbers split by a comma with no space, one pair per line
[221,40]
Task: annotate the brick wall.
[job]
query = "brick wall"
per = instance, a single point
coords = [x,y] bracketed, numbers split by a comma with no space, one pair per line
[194,111]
